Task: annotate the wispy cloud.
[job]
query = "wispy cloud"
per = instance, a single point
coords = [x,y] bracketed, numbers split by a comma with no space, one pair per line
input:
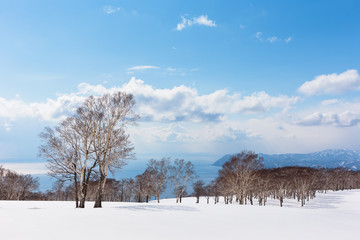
[332,83]
[110,9]
[7,126]
[258,35]
[273,39]
[201,20]
[241,26]
[142,68]
[289,39]
[329,102]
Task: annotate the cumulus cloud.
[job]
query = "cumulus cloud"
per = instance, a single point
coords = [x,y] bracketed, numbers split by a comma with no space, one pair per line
[331,112]
[180,103]
[51,110]
[142,68]
[332,83]
[201,20]
[343,119]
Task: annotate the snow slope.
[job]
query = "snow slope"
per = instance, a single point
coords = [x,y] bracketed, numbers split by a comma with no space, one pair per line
[335,215]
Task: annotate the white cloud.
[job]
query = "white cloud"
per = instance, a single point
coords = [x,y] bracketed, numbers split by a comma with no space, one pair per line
[332,83]
[142,68]
[276,135]
[343,119]
[329,102]
[201,20]
[331,112]
[180,103]
[110,9]
[184,103]
[242,26]
[51,110]
[26,168]
[169,69]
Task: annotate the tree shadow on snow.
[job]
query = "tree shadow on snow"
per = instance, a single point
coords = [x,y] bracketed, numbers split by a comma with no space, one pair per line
[326,201]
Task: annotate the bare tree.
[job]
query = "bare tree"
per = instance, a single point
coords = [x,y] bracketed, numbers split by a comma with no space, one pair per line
[199,189]
[15,186]
[181,173]
[68,150]
[94,136]
[239,172]
[159,176]
[112,146]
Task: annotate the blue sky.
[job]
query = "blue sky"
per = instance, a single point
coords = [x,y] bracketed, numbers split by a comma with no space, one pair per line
[209,77]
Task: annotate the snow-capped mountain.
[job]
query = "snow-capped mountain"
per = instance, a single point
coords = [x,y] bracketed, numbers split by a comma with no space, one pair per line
[328,158]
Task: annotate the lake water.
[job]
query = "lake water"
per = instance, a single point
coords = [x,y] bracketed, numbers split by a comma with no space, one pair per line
[204,170]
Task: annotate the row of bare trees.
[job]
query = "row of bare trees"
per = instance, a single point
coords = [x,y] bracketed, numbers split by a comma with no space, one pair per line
[15,186]
[154,181]
[90,144]
[244,179]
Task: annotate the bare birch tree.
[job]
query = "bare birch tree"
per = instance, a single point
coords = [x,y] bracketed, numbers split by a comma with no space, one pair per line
[112,147]
[159,176]
[94,136]
[239,173]
[181,173]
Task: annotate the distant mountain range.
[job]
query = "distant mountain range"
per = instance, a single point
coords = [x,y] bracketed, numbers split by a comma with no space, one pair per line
[328,158]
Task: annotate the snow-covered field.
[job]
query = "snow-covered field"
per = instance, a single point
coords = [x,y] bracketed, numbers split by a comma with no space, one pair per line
[335,215]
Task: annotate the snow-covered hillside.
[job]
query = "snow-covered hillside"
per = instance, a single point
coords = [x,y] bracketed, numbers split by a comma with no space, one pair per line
[328,158]
[335,215]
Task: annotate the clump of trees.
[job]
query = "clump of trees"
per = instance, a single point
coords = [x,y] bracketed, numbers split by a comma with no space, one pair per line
[158,176]
[243,179]
[15,186]
[90,144]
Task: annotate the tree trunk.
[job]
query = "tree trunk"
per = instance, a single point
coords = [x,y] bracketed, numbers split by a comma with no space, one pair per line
[241,200]
[99,193]
[83,191]
[76,191]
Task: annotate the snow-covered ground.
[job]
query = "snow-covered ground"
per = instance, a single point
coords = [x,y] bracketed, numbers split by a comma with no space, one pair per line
[335,215]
